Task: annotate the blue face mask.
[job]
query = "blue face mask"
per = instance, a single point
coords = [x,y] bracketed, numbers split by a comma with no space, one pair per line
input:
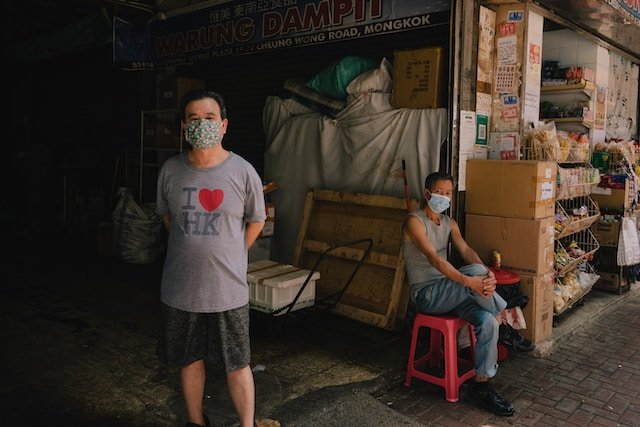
[439,203]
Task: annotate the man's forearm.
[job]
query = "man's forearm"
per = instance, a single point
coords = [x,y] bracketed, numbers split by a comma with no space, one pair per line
[252,232]
[446,268]
[471,257]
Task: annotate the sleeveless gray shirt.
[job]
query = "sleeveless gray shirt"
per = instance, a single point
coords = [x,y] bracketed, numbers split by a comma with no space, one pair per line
[419,269]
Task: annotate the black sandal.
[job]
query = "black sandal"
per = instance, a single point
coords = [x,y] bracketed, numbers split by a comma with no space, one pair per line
[206,423]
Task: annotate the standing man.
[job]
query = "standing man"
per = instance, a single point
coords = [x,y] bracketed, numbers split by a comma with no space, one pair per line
[212,205]
[437,287]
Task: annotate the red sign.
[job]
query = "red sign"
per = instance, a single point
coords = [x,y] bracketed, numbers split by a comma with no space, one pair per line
[507,29]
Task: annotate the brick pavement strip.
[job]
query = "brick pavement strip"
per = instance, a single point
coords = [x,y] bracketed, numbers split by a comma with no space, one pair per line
[590,379]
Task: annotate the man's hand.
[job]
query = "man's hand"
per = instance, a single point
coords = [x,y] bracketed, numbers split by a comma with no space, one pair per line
[489,284]
[484,286]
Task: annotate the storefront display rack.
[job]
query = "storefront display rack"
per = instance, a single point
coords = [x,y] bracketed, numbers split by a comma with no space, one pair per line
[573,249]
[570,291]
[573,215]
[576,181]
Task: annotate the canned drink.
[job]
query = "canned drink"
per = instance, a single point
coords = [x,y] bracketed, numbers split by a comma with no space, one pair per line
[497,259]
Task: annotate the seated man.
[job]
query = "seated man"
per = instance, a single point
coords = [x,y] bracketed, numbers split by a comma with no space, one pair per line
[437,287]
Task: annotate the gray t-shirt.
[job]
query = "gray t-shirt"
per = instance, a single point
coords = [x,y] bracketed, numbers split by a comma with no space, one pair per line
[419,269]
[206,265]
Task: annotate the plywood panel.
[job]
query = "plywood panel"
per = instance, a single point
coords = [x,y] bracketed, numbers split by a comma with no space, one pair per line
[377,295]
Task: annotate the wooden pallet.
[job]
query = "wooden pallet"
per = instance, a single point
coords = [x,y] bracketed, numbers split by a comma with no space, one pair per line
[377,295]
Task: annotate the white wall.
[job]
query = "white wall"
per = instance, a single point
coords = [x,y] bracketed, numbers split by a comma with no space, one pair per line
[571,49]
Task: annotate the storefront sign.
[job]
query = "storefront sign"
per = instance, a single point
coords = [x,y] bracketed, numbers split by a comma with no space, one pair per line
[481,129]
[507,29]
[515,16]
[506,81]
[246,27]
[631,6]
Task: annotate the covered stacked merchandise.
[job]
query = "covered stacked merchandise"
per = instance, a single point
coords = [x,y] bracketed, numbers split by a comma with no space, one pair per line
[616,196]
[575,210]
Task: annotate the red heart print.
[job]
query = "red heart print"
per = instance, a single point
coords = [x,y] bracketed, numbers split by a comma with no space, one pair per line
[210,199]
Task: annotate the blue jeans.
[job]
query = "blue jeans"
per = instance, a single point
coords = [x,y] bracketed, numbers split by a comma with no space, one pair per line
[446,296]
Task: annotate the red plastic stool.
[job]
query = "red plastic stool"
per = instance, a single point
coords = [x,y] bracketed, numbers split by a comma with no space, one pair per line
[447,327]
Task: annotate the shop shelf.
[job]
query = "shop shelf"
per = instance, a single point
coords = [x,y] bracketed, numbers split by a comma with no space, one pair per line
[584,121]
[565,208]
[585,87]
[585,240]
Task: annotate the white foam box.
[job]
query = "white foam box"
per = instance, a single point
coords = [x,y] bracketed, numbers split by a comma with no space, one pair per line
[273,285]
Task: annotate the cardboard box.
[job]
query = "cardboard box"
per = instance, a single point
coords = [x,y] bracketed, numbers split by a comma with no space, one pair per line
[612,198]
[606,233]
[269,223]
[273,286]
[606,259]
[538,314]
[612,281]
[525,245]
[523,189]
[419,78]
[172,89]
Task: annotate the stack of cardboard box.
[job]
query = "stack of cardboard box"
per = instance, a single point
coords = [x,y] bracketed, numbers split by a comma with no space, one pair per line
[615,203]
[510,208]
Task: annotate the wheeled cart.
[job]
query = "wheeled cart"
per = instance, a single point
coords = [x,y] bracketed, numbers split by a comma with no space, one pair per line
[280,289]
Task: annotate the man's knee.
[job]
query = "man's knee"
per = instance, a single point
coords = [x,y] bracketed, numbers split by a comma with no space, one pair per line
[474,270]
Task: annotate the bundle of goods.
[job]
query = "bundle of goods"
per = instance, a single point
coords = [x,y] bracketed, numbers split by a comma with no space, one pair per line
[617,150]
[573,252]
[578,144]
[542,143]
[613,181]
[562,221]
[548,110]
[573,285]
[553,74]
[577,181]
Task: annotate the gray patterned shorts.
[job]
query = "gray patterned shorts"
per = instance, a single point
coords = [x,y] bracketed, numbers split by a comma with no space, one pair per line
[219,338]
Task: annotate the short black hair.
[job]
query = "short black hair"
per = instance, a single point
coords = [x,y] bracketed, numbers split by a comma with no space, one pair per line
[432,178]
[197,94]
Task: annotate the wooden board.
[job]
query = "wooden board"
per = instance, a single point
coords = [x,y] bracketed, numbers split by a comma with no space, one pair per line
[377,295]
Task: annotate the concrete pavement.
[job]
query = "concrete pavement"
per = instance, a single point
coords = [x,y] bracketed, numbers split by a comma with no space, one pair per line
[79,349]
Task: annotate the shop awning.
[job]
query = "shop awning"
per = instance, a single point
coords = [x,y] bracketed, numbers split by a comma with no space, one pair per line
[615,21]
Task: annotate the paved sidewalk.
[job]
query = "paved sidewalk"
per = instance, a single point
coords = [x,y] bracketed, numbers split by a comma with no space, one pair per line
[592,376]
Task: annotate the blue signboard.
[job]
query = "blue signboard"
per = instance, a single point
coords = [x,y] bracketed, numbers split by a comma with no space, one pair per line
[246,27]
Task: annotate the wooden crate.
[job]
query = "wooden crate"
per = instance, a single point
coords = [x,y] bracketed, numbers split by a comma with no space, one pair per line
[377,295]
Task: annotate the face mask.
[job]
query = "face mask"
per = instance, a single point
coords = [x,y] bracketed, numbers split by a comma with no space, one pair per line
[439,203]
[202,133]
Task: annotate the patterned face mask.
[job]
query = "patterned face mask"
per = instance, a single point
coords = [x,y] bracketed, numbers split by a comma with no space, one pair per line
[202,133]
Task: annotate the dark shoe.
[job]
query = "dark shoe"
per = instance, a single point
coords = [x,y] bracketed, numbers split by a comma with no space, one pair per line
[206,423]
[512,339]
[484,395]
